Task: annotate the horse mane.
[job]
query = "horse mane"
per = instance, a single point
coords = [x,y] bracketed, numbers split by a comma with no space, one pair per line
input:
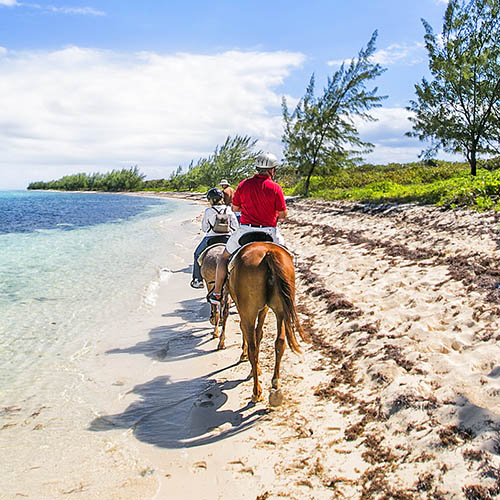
[282,281]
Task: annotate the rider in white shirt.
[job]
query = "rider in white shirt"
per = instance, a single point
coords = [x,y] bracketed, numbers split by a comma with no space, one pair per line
[211,228]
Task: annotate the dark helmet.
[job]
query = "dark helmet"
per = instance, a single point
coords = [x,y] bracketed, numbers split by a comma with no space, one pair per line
[215,194]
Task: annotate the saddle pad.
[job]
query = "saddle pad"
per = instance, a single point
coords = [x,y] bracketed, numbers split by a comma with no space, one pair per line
[202,254]
[231,260]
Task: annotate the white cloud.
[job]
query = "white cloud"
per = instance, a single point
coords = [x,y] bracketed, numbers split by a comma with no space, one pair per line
[391,122]
[388,136]
[93,110]
[403,54]
[73,10]
[51,8]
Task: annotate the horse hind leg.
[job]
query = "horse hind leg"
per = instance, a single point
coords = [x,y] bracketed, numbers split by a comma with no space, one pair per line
[258,332]
[244,349]
[276,396]
[248,329]
[223,320]
[214,320]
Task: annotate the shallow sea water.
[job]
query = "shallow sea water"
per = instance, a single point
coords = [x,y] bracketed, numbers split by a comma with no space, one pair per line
[69,265]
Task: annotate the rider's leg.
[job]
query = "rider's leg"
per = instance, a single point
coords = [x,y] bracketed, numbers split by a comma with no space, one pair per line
[277,237]
[221,272]
[197,253]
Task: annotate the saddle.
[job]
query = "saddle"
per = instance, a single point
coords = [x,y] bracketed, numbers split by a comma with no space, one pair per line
[252,237]
[213,241]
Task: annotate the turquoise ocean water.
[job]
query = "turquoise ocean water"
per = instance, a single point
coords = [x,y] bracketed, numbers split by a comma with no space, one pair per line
[69,264]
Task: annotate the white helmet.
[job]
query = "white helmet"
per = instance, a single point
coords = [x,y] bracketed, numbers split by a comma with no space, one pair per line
[266,161]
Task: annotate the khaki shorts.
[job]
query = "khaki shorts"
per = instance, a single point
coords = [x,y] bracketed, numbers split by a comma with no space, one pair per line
[233,242]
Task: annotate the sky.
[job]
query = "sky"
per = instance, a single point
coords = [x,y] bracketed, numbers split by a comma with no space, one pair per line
[97,85]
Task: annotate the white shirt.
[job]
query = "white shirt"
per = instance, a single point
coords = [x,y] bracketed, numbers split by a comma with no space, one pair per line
[208,221]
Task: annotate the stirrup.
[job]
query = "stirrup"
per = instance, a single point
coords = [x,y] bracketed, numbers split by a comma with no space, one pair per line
[215,298]
[195,283]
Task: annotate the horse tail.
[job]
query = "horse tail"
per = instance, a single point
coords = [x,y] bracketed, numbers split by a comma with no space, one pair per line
[285,286]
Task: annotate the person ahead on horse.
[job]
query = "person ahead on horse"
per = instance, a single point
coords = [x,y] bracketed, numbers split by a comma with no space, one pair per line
[213,224]
[261,203]
[227,191]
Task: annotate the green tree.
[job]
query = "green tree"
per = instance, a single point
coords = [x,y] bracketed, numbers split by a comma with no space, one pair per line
[320,131]
[458,111]
[234,160]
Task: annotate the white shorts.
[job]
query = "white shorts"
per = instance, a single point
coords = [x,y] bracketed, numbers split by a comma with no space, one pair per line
[233,242]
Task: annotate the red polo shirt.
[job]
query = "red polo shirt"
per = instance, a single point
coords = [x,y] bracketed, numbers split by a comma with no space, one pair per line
[260,199]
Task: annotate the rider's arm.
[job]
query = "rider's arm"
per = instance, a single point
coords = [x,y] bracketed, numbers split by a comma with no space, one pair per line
[235,208]
[205,226]
[281,214]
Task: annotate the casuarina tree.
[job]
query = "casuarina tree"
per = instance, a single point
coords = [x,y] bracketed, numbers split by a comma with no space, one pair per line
[458,110]
[321,132]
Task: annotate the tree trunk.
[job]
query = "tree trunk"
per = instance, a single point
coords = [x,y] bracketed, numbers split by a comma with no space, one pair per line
[308,180]
[306,191]
[473,161]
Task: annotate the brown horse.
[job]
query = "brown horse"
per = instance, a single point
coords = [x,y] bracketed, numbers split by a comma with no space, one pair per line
[262,276]
[208,266]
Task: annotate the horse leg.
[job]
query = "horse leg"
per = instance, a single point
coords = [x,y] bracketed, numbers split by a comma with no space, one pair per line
[244,350]
[258,332]
[279,349]
[276,396]
[248,328]
[215,317]
[244,345]
[224,315]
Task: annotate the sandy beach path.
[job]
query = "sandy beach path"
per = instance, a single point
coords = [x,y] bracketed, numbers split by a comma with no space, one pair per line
[397,395]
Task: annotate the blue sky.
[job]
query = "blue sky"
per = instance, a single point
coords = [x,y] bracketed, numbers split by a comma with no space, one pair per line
[94,85]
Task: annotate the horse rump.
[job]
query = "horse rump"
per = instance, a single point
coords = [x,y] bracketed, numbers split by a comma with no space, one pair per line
[281,292]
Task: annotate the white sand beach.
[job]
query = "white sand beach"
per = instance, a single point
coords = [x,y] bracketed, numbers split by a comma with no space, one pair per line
[396,396]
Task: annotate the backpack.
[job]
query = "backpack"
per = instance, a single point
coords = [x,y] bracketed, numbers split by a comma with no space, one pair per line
[221,222]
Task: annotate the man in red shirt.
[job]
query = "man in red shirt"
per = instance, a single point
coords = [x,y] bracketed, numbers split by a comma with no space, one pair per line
[261,203]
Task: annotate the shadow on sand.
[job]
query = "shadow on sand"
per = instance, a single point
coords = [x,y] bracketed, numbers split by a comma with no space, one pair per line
[184,413]
[173,342]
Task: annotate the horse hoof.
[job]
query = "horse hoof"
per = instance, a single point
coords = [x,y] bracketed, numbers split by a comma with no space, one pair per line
[243,357]
[275,397]
[220,347]
[256,399]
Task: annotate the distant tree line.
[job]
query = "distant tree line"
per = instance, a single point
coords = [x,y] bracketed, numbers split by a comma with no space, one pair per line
[234,160]
[118,180]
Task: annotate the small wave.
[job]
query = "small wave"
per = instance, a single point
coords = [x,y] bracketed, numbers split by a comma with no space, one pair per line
[151,291]
[151,294]
[165,274]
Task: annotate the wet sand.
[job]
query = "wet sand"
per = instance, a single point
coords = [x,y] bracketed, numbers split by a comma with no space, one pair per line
[397,395]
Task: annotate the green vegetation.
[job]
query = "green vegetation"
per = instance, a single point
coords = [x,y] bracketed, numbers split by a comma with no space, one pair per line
[442,183]
[459,111]
[319,131]
[117,180]
[447,184]
[234,161]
